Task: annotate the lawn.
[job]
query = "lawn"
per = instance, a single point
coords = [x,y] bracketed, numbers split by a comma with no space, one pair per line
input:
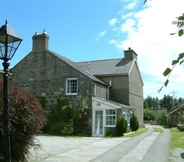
[132,134]
[177,138]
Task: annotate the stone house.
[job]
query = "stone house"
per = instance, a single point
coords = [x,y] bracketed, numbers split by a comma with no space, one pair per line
[113,87]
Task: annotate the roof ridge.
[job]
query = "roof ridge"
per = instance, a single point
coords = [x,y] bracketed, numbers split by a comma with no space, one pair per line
[99,60]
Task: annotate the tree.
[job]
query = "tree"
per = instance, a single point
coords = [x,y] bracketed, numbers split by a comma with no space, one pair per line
[26,120]
[162,117]
[152,103]
[167,102]
[149,114]
[134,123]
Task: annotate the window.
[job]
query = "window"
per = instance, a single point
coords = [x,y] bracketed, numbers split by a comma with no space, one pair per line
[127,115]
[111,117]
[71,86]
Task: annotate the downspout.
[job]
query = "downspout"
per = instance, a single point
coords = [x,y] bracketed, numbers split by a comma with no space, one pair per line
[108,89]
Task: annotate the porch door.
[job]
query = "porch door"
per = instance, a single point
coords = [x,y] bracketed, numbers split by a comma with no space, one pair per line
[99,130]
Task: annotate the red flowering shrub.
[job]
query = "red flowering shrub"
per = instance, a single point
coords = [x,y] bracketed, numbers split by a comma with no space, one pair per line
[26,120]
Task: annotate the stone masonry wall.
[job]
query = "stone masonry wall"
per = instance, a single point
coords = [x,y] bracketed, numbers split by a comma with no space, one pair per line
[45,74]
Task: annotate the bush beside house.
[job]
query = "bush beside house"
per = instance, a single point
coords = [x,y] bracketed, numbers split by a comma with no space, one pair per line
[26,120]
[64,120]
[121,126]
[134,123]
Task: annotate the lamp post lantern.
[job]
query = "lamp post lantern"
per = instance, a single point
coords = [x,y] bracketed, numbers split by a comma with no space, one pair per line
[9,43]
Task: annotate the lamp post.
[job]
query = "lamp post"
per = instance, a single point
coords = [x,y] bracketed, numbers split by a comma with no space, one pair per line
[9,42]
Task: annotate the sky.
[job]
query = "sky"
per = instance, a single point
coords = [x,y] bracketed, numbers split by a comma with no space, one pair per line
[84,30]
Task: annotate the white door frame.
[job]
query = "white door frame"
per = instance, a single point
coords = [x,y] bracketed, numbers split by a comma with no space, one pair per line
[101,131]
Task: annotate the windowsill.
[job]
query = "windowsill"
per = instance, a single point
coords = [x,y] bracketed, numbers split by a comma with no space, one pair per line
[110,126]
[71,94]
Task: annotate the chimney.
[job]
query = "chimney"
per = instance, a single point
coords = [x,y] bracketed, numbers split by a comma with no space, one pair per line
[129,55]
[40,42]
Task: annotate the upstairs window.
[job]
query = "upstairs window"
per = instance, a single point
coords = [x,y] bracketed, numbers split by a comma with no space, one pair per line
[71,86]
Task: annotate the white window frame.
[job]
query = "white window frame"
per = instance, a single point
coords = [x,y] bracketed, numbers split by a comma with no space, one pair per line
[126,114]
[70,93]
[110,115]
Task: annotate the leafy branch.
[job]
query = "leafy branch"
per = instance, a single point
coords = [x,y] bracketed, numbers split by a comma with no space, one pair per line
[168,71]
[180,24]
[145,2]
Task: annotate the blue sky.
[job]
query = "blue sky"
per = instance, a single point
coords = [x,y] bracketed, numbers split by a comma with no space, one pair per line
[83,30]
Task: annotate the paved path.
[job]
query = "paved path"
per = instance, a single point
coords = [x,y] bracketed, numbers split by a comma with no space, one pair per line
[149,146]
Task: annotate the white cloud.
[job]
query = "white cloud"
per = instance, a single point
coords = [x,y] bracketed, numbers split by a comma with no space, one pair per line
[148,33]
[100,34]
[128,26]
[113,21]
[131,5]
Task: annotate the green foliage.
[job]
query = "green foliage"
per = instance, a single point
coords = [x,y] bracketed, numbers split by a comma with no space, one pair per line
[167,102]
[42,101]
[27,119]
[134,123]
[83,110]
[180,24]
[63,119]
[162,117]
[139,131]
[152,103]
[62,128]
[177,139]
[121,126]
[81,117]
[180,127]
[110,132]
[59,113]
[149,114]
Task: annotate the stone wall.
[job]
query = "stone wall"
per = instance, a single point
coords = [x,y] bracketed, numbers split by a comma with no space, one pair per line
[45,74]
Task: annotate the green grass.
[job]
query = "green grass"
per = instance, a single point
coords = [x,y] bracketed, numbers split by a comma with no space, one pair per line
[158,130]
[139,131]
[177,138]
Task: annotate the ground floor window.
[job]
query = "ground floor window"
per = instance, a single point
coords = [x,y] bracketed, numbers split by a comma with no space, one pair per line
[127,114]
[110,117]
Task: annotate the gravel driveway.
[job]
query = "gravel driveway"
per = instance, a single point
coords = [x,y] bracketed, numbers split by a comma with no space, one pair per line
[53,145]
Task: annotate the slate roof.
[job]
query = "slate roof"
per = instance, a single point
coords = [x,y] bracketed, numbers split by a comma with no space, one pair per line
[77,67]
[91,69]
[180,106]
[107,67]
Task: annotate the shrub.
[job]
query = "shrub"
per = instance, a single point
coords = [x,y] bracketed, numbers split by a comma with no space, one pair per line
[149,114]
[26,120]
[134,123]
[59,113]
[81,118]
[180,127]
[62,128]
[62,112]
[162,117]
[110,132]
[121,126]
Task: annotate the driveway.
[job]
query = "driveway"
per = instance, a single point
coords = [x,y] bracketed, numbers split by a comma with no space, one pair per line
[149,146]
